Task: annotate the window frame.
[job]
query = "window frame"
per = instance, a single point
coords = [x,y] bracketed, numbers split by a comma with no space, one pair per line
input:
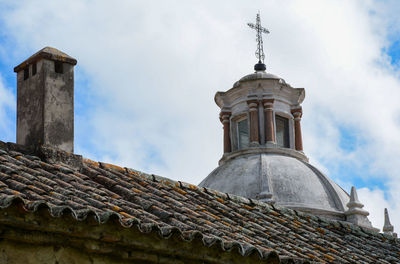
[239,120]
[234,131]
[286,136]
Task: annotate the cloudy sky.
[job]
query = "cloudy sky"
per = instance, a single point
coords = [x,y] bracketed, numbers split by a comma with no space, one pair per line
[148,70]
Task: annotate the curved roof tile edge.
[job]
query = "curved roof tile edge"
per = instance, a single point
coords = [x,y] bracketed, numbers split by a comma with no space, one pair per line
[244,249]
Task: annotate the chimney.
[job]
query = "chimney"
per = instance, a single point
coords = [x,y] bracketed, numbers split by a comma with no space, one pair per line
[45,100]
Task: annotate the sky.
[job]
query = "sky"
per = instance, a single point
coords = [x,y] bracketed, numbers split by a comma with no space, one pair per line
[148,71]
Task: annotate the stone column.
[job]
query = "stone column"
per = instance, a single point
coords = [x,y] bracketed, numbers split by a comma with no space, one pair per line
[225,120]
[269,121]
[297,113]
[254,132]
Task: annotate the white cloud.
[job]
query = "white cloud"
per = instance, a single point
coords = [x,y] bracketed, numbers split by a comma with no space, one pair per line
[154,69]
[374,202]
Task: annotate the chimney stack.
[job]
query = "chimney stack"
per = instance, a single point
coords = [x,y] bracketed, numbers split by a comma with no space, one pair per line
[45,100]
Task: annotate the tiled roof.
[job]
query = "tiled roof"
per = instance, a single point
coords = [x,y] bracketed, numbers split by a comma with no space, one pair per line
[144,201]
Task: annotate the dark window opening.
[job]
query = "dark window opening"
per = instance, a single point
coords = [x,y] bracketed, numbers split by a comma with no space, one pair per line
[33,69]
[26,73]
[243,134]
[58,67]
[282,132]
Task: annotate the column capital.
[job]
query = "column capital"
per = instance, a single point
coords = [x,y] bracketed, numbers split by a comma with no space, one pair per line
[252,103]
[224,116]
[268,104]
[297,113]
[268,101]
[224,112]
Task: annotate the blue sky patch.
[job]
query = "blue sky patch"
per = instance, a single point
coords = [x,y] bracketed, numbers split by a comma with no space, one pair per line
[394,52]
[350,138]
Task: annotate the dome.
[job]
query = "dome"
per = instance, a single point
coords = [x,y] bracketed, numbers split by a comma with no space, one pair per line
[258,75]
[285,180]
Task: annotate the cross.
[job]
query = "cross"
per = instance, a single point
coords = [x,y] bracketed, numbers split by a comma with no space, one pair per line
[260,51]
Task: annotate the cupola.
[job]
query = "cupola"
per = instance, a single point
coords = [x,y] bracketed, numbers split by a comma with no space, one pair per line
[263,156]
[261,111]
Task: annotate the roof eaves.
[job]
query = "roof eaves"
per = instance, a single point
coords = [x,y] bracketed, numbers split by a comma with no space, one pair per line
[165,232]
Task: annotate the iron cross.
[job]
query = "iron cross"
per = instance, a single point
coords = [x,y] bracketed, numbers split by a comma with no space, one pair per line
[260,50]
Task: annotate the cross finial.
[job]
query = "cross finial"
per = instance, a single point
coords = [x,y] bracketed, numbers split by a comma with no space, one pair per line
[260,66]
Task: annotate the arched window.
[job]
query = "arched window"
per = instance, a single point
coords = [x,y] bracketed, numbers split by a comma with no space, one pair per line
[243,133]
[282,131]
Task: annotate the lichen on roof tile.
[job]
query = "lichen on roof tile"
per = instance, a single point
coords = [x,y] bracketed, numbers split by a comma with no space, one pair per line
[154,203]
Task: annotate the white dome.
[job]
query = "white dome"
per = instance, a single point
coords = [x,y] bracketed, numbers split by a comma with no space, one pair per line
[289,182]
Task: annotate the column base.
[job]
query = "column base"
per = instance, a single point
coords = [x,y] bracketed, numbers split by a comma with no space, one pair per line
[226,154]
[254,144]
[271,144]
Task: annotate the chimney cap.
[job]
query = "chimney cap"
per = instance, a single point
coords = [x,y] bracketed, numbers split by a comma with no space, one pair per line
[46,53]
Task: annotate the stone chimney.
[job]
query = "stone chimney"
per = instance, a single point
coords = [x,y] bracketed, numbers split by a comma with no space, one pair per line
[45,100]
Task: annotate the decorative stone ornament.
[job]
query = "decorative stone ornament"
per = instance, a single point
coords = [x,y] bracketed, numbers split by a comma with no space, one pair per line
[388,227]
[355,214]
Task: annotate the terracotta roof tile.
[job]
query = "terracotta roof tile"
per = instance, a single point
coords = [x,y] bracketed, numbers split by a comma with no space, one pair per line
[151,202]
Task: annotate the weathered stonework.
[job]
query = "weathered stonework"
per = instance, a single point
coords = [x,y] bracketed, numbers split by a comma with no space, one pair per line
[45,100]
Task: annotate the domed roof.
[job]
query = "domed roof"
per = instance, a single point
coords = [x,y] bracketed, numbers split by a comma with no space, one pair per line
[288,181]
[258,75]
